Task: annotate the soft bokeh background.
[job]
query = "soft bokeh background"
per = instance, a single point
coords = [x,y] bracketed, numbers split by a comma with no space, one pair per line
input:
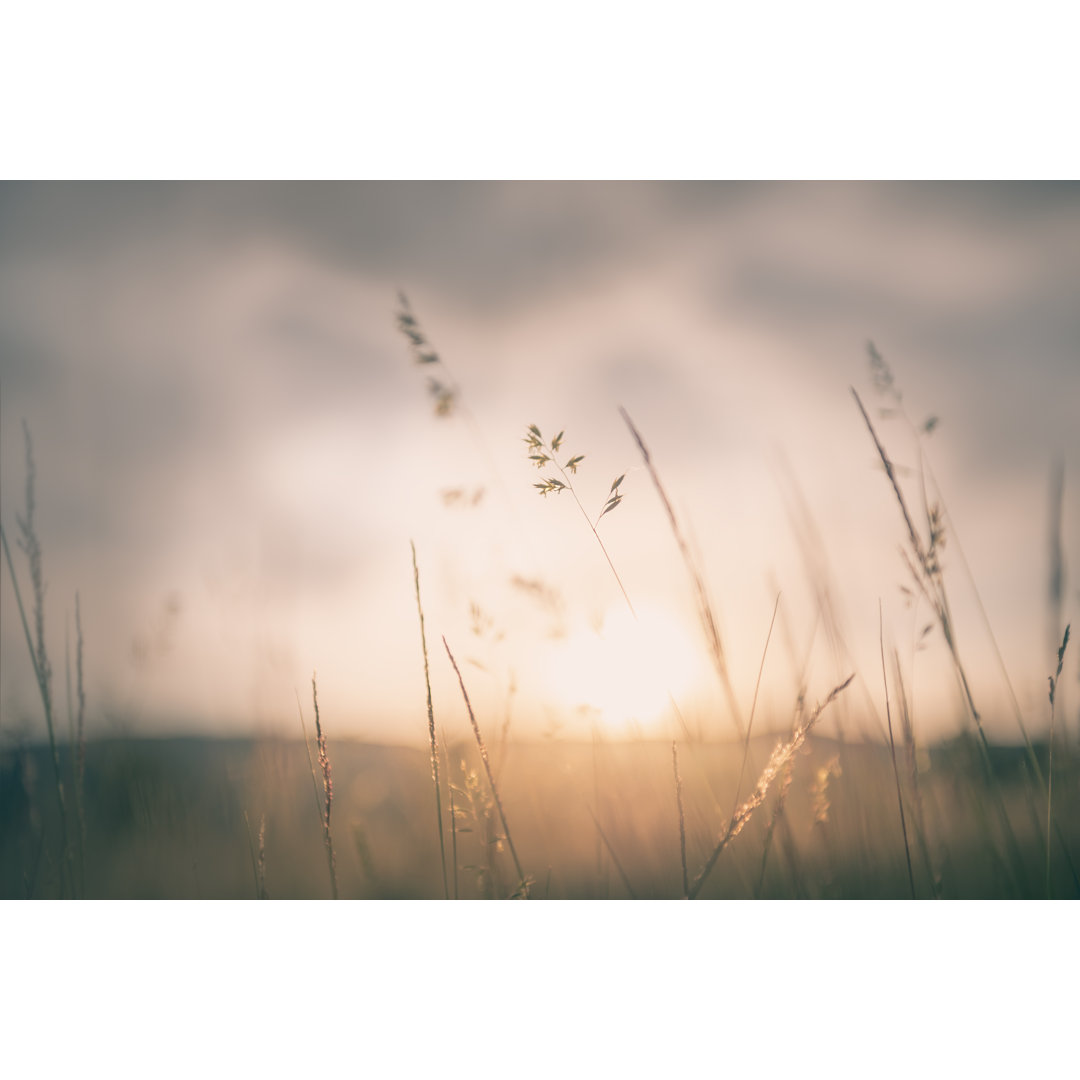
[234,447]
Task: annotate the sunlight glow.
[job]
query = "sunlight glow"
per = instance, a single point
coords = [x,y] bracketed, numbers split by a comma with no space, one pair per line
[628,671]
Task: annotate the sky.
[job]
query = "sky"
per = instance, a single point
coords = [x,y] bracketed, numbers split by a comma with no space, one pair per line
[235,448]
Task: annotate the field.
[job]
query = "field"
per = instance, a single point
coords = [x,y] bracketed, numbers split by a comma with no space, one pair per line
[180,818]
[792,814]
[663,746]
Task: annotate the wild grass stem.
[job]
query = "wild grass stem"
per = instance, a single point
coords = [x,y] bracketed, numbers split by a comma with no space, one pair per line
[523,881]
[701,593]
[431,727]
[328,789]
[783,753]
[892,752]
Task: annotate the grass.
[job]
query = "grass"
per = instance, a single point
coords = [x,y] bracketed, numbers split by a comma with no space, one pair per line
[523,882]
[328,791]
[431,728]
[825,818]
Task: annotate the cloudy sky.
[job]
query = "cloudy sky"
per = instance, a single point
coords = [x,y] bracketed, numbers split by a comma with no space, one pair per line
[235,446]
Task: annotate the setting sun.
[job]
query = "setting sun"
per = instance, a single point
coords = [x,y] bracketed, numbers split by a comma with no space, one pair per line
[627,671]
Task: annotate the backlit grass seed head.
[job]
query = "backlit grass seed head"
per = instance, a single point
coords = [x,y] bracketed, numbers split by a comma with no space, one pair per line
[442,392]
[819,790]
[1060,663]
[543,453]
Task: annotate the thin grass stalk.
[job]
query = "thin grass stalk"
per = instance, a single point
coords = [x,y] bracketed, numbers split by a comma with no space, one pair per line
[592,529]
[1056,571]
[72,751]
[932,586]
[523,881]
[67,691]
[779,758]
[328,788]
[80,737]
[39,656]
[682,819]
[705,609]
[431,727]
[753,707]
[774,820]
[264,893]
[614,858]
[251,852]
[892,751]
[310,760]
[453,840]
[908,729]
[1050,756]
[547,453]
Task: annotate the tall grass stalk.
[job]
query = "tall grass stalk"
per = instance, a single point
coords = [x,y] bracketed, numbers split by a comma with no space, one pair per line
[453,840]
[258,859]
[892,752]
[1050,755]
[614,857]
[310,761]
[264,893]
[753,706]
[431,726]
[783,753]
[774,819]
[79,757]
[73,757]
[886,383]
[31,546]
[701,593]
[927,575]
[523,882]
[908,729]
[328,789]
[682,819]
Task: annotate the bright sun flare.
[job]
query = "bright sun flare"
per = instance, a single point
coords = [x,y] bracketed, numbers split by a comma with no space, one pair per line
[629,671]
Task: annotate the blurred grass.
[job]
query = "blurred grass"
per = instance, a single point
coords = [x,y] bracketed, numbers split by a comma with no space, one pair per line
[165,819]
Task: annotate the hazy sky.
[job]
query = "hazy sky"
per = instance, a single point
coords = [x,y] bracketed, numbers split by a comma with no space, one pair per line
[234,446]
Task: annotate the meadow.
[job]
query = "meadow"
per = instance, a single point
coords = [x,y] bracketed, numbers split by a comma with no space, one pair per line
[793,813]
[182,818]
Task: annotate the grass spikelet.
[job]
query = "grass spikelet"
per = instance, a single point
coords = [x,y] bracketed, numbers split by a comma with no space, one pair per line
[523,886]
[328,789]
[547,452]
[431,726]
[774,819]
[779,758]
[444,394]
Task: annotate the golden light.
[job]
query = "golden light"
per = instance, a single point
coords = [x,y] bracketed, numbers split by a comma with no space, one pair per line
[628,671]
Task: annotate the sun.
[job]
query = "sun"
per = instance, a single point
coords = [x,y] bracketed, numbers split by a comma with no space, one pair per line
[628,670]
